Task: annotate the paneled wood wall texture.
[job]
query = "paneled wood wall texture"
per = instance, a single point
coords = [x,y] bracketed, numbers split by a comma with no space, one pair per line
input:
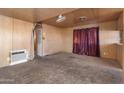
[21,38]
[6,27]
[52,42]
[120,46]
[14,34]
[108,35]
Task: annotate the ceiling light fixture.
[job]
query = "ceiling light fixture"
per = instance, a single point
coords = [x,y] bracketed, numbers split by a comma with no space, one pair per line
[83,18]
[60,18]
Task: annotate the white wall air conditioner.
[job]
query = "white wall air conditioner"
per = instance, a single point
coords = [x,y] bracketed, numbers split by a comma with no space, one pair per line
[18,56]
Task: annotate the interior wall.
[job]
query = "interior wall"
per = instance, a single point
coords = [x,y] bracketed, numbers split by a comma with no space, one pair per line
[109,38]
[123,45]
[120,26]
[120,46]
[109,35]
[52,39]
[6,27]
[21,36]
[14,34]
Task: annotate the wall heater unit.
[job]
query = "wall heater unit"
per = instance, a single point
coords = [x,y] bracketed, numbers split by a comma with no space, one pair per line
[18,56]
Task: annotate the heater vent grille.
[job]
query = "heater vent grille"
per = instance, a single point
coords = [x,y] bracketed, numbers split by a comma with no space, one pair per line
[18,56]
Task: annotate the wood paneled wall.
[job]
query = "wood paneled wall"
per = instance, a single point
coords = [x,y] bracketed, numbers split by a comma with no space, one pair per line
[120,54]
[21,37]
[109,36]
[120,26]
[14,34]
[120,46]
[52,42]
[6,27]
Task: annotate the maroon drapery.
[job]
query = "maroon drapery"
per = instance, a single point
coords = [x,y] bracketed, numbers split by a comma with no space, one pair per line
[86,41]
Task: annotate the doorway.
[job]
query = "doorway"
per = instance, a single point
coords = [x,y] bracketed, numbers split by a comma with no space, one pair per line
[35,43]
[38,40]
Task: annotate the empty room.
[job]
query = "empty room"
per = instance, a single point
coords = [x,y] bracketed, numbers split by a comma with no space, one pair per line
[61,45]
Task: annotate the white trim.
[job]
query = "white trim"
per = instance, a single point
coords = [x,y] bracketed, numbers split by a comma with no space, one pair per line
[19,50]
[18,62]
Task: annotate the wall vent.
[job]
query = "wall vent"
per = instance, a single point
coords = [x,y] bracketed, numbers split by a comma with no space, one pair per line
[18,56]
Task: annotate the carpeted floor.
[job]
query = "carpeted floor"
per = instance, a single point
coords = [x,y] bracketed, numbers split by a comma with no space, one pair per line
[63,68]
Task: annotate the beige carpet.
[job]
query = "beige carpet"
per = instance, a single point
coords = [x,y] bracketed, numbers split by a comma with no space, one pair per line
[63,68]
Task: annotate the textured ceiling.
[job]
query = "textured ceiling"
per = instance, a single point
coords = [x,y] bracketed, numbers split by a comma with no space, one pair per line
[49,15]
[34,14]
[93,16]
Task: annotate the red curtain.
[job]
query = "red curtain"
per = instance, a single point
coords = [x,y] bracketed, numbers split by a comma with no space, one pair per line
[86,41]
